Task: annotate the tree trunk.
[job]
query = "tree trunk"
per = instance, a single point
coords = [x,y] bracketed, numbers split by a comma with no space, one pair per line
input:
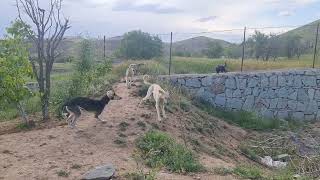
[46,95]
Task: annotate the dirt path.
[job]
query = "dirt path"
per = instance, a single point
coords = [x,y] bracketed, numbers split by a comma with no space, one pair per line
[41,154]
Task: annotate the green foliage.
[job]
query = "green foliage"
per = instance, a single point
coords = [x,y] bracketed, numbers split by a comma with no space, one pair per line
[19,30]
[159,149]
[248,172]
[140,45]
[15,66]
[214,50]
[85,57]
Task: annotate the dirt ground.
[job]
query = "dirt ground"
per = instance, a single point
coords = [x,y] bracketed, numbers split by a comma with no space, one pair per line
[41,154]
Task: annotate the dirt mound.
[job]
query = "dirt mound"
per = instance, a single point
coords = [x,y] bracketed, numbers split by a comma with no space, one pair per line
[61,151]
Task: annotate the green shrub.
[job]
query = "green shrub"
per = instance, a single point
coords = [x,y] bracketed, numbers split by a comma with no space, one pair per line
[159,149]
[248,172]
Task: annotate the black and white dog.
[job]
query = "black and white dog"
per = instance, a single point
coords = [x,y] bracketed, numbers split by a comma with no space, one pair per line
[221,68]
[72,108]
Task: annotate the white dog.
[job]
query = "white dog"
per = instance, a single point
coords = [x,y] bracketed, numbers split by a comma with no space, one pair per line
[160,96]
[131,71]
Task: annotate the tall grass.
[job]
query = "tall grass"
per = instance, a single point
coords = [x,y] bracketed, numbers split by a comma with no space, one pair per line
[159,149]
[188,65]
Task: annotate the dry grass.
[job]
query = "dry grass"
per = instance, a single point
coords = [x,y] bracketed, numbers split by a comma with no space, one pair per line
[187,65]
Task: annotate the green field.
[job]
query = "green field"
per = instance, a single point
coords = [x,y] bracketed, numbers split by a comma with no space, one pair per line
[189,65]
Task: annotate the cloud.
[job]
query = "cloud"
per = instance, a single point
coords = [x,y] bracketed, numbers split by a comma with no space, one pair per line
[285,13]
[145,7]
[207,19]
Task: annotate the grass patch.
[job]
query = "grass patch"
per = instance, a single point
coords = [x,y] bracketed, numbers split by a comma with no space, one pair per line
[142,125]
[189,65]
[141,176]
[243,119]
[122,142]
[159,149]
[63,173]
[248,172]
[251,154]
[123,126]
[222,171]
[76,166]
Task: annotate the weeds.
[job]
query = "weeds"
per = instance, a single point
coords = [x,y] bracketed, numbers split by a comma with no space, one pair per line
[76,166]
[142,125]
[159,149]
[222,171]
[63,173]
[123,126]
[120,141]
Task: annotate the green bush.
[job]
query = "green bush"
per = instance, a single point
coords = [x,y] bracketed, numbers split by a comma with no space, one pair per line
[159,149]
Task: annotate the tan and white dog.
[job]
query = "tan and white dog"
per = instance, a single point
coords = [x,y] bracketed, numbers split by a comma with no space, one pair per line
[131,71]
[160,96]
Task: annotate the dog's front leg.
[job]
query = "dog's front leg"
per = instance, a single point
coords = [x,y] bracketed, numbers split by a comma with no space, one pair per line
[158,110]
[163,111]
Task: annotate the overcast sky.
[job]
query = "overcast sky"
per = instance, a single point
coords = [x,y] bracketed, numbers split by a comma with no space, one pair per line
[114,17]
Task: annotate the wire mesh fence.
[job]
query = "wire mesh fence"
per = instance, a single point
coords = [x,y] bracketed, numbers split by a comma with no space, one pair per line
[246,49]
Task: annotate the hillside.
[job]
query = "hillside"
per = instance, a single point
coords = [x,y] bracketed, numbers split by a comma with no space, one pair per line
[43,153]
[306,32]
[195,46]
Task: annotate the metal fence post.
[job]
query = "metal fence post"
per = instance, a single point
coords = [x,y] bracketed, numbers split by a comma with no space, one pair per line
[315,46]
[243,46]
[170,58]
[104,47]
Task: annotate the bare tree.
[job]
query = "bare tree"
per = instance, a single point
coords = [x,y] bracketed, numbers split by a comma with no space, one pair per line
[47,32]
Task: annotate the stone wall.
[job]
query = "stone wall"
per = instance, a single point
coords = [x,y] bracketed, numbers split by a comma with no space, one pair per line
[281,94]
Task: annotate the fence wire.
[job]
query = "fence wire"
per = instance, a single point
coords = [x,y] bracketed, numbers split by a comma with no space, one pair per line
[262,48]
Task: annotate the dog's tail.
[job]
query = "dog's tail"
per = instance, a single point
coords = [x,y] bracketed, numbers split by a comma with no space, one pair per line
[145,77]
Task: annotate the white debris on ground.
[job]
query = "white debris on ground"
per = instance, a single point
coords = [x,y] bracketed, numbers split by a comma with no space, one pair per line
[268,161]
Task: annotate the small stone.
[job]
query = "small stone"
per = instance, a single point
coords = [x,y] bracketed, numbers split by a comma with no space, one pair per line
[281,81]
[193,83]
[309,81]
[229,93]
[104,172]
[220,100]
[231,83]
[237,93]
[273,81]
[253,82]
[241,83]
[207,81]
[248,104]
[297,81]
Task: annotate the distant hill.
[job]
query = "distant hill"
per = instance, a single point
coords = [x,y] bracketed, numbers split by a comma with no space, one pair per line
[195,46]
[306,32]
